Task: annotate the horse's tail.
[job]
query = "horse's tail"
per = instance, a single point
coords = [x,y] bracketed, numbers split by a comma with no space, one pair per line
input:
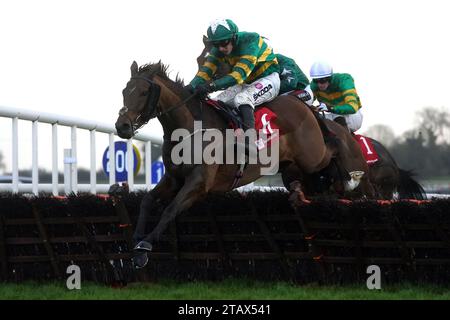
[409,188]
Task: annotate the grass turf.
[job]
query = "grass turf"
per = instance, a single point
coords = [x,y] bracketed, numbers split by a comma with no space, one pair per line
[229,289]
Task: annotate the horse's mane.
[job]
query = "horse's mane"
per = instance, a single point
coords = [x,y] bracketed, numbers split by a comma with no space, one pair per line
[160,69]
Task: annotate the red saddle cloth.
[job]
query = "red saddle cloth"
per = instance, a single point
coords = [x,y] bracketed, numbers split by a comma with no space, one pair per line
[265,120]
[265,123]
[369,152]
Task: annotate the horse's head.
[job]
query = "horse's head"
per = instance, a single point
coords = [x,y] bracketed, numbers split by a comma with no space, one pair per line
[140,102]
[202,57]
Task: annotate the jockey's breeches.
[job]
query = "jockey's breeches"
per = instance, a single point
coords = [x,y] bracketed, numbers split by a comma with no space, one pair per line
[253,94]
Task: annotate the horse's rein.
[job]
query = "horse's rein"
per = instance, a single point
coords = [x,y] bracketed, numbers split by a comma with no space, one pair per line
[177,105]
[159,112]
[135,124]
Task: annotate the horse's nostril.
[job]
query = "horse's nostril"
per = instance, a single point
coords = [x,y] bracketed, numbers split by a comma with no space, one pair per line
[123,127]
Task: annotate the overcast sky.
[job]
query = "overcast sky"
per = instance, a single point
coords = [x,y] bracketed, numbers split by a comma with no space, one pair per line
[73,57]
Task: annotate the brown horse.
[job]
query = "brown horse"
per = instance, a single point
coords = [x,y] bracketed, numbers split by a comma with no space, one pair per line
[150,93]
[385,175]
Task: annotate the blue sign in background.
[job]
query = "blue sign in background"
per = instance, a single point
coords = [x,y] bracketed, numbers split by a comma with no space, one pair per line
[157,171]
[120,148]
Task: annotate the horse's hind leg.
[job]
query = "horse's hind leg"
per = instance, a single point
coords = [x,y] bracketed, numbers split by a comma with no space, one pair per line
[366,187]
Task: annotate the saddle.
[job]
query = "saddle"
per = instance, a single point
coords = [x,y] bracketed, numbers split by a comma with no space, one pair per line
[229,114]
[233,118]
[264,121]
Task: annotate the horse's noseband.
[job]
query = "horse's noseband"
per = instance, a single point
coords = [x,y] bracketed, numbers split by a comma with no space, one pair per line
[151,109]
[151,106]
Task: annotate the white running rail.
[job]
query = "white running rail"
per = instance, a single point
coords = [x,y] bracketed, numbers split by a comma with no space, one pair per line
[70,156]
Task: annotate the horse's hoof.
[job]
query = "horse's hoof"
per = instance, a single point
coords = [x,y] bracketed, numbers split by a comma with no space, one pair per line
[118,190]
[143,246]
[354,181]
[113,189]
[140,260]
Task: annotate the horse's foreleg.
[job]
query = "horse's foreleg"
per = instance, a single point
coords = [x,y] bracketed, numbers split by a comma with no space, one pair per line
[197,184]
[196,187]
[164,189]
[297,197]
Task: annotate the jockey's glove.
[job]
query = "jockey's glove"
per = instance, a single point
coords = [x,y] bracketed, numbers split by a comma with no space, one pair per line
[322,107]
[205,88]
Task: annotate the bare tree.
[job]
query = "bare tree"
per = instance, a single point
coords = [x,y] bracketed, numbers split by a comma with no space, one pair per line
[381,133]
[434,124]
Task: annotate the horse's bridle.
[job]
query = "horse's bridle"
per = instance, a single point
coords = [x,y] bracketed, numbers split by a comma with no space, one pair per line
[151,109]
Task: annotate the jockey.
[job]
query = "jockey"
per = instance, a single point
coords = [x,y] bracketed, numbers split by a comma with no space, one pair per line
[337,94]
[293,78]
[254,78]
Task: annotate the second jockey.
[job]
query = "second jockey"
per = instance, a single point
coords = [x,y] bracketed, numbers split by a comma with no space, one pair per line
[337,94]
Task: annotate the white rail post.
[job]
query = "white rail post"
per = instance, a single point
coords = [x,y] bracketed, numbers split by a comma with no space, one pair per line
[55,159]
[129,166]
[34,161]
[93,163]
[148,164]
[16,114]
[112,160]
[67,171]
[15,155]
[74,170]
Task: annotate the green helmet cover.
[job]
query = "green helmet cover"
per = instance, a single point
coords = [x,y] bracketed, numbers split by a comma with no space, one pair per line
[221,30]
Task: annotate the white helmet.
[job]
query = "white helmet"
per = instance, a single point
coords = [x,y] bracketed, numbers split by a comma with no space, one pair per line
[320,69]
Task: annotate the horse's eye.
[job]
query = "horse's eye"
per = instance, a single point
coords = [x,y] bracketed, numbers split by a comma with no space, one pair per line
[143,94]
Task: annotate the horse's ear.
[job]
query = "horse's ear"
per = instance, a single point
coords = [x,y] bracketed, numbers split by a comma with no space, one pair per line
[208,45]
[134,68]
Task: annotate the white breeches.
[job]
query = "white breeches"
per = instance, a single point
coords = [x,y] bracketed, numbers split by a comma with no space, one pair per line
[254,94]
[354,120]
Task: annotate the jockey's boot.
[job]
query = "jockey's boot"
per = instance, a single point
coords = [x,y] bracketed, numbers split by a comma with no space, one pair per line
[248,119]
[248,122]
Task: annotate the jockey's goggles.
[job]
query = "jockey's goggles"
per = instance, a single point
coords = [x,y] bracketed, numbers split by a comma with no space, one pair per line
[221,43]
[322,80]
